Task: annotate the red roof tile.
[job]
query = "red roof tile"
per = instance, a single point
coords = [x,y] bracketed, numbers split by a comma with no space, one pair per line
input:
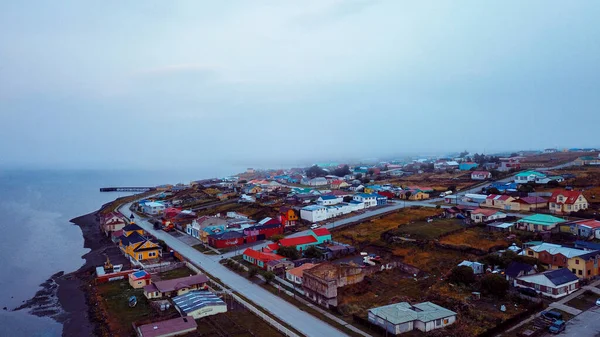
[260,256]
[569,197]
[591,223]
[486,212]
[301,240]
[321,231]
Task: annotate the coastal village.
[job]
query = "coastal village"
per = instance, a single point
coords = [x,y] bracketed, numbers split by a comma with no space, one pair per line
[463,245]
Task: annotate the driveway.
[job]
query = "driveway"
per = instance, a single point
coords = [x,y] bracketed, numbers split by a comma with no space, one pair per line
[586,324]
[305,323]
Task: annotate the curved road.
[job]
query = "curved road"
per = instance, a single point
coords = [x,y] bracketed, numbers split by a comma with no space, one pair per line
[305,323]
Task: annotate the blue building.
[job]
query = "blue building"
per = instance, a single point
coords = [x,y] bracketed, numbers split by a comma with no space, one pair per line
[467,166]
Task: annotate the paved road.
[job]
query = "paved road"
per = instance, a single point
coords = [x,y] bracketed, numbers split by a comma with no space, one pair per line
[300,320]
[586,324]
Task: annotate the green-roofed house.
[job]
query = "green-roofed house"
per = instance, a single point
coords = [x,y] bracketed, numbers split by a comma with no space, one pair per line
[539,223]
[403,317]
[587,160]
[527,176]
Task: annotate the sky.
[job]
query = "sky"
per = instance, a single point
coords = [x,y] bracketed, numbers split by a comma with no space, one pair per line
[157,84]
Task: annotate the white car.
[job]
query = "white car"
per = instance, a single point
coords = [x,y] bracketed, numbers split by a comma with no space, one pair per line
[598,302]
[315,226]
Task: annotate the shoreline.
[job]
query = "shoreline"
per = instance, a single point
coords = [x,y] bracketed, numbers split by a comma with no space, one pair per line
[67,298]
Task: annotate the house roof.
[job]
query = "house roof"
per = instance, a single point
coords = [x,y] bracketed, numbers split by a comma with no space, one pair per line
[529,173]
[366,195]
[313,208]
[133,238]
[140,275]
[227,235]
[558,249]
[480,173]
[515,268]
[179,283]
[486,212]
[553,278]
[132,227]
[300,240]
[260,256]
[501,224]
[570,197]
[532,200]
[195,300]
[299,270]
[321,231]
[542,219]
[169,327]
[328,197]
[502,197]
[403,312]
[589,223]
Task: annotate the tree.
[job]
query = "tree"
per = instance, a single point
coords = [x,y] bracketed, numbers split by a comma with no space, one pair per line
[462,275]
[463,154]
[407,195]
[358,176]
[269,276]
[312,253]
[452,188]
[277,237]
[289,252]
[342,171]
[493,190]
[252,272]
[495,285]
[315,171]
[553,183]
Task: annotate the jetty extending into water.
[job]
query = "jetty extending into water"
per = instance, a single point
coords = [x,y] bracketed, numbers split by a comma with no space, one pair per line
[126,189]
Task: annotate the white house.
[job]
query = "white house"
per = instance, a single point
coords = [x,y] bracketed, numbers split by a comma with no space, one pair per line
[193,229]
[319,181]
[338,210]
[153,208]
[403,317]
[295,274]
[370,200]
[485,215]
[356,205]
[480,175]
[546,180]
[328,200]
[314,213]
[555,283]
[527,176]
[478,268]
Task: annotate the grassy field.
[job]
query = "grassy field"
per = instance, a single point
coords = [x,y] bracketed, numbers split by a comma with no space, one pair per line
[115,297]
[370,231]
[429,230]
[477,238]
[176,273]
[584,301]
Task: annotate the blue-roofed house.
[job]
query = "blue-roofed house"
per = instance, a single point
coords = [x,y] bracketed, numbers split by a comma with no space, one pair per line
[139,279]
[328,200]
[554,283]
[369,200]
[466,166]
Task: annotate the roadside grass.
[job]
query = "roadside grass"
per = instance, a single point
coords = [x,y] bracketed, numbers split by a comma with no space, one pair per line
[584,301]
[430,230]
[176,273]
[203,249]
[115,297]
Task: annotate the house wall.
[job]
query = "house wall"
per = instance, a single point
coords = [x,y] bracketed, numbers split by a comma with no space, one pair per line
[581,268]
[554,292]
[314,216]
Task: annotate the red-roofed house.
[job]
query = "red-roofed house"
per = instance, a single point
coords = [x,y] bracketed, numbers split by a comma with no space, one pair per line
[531,203]
[564,202]
[500,201]
[485,215]
[316,237]
[338,183]
[260,259]
[480,175]
[586,229]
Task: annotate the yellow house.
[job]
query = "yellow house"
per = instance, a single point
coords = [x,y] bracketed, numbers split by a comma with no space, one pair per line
[132,228]
[500,202]
[563,201]
[138,247]
[415,195]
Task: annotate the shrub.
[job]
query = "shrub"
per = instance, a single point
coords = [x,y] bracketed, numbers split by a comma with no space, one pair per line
[252,272]
[495,285]
[462,275]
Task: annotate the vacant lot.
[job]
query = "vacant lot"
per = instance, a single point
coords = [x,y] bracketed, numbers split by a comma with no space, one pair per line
[477,238]
[370,231]
[552,159]
[437,181]
[584,301]
[176,273]
[429,230]
[433,260]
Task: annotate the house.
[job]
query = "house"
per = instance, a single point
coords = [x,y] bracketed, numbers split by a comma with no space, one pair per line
[528,176]
[478,268]
[387,194]
[153,208]
[139,279]
[314,213]
[403,317]
[381,200]
[531,203]
[518,269]
[539,223]
[320,283]
[565,202]
[288,216]
[171,327]
[227,239]
[294,275]
[369,200]
[319,181]
[554,283]
[502,187]
[413,195]
[580,262]
[500,226]
[112,222]
[501,201]
[484,215]
[585,229]
[545,180]
[587,160]
[467,166]
[481,175]
[507,164]
[424,189]
[133,228]
[139,248]
[260,259]
[175,287]
[327,200]
[316,237]
[338,184]
[197,304]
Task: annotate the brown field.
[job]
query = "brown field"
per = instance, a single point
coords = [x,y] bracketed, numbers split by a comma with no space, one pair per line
[477,238]
[437,181]
[430,259]
[370,231]
[553,159]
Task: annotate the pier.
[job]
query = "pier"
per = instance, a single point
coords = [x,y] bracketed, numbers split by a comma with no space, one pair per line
[126,189]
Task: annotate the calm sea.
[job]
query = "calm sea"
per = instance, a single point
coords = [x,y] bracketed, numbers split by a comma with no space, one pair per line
[37,239]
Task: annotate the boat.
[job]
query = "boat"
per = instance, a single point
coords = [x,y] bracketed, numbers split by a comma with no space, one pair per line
[132,301]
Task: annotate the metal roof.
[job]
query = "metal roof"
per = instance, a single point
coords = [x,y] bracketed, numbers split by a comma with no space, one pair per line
[542,219]
[195,300]
[405,312]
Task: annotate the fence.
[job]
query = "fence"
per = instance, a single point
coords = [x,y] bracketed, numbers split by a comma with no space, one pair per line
[162,267]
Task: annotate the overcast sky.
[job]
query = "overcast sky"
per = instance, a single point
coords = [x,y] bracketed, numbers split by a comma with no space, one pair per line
[186,83]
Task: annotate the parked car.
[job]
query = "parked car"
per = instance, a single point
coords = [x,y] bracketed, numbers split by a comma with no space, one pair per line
[557,326]
[552,315]
[528,292]
[598,302]
[315,226]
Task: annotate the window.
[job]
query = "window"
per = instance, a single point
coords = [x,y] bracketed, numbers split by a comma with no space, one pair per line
[574,271]
[438,322]
[589,272]
[139,256]
[576,261]
[579,272]
[530,252]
